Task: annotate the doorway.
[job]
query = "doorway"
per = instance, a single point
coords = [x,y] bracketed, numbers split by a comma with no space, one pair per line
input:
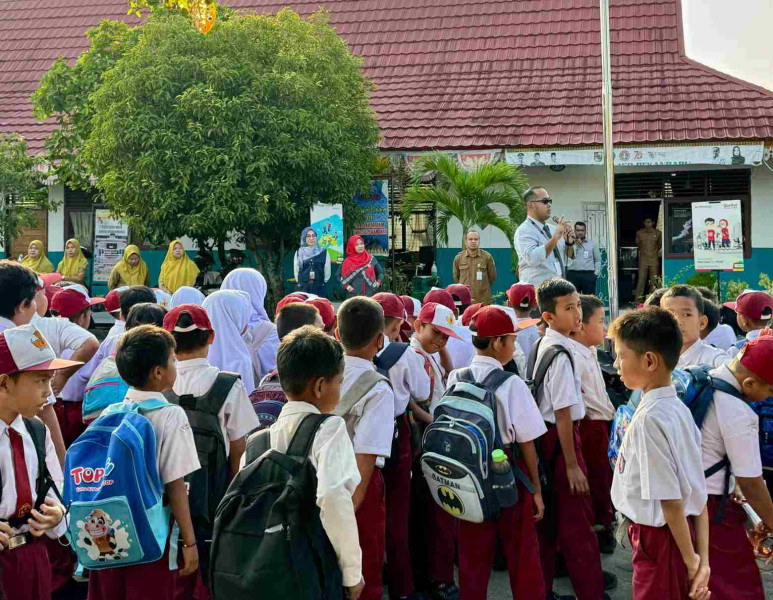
[630,218]
[39,231]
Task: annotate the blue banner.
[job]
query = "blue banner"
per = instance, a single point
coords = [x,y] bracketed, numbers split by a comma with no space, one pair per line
[374,228]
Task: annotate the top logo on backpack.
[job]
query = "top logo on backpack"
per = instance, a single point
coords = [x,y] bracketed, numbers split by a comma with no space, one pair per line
[97,477]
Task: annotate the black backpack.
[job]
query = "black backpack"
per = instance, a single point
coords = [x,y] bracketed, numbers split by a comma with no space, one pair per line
[383,362]
[268,540]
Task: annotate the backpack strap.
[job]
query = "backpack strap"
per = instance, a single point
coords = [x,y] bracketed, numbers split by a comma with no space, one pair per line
[360,388]
[257,444]
[495,379]
[303,438]
[214,399]
[389,357]
[465,375]
[725,387]
[550,354]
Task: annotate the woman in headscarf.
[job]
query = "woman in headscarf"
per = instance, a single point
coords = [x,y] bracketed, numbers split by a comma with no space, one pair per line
[73,266]
[265,341]
[178,269]
[229,311]
[186,295]
[36,258]
[312,264]
[130,270]
[361,273]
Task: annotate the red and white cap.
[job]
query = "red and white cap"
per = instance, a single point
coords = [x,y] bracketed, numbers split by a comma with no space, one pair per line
[439,316]
[462,294]
[469,312]
[326,310]
[412,306]
[113,299]
[522,295]
[493,321]
[197,314]
[72,300]
[25,349]
[289,299]
[753,304]
[757,356]
[392,305]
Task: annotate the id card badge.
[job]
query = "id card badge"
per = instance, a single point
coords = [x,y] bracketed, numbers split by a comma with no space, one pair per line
[479,277]
[311,275]
[558,268]
[585,254]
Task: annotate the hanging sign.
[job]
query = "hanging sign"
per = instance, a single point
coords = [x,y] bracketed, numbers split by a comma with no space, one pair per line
[717,235]
[111,236]
[374,228]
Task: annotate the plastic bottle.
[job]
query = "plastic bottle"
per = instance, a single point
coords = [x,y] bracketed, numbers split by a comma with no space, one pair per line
[433,270]
[763,543]
[503,480]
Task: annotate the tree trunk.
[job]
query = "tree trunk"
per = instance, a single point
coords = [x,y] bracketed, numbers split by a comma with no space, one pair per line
[221,255]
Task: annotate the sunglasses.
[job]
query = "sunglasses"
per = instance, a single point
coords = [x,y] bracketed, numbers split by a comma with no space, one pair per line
[544,201]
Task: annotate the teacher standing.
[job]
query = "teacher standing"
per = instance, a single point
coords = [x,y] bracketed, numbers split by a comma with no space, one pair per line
[312,264]
[475,268]
[584,270]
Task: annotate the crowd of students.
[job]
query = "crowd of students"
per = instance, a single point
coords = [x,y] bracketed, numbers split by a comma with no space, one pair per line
[383,366]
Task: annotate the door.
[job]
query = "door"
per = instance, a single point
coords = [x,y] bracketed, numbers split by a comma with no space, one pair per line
[39,231]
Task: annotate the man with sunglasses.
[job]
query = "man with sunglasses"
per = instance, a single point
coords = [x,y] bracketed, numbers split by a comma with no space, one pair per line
[543,248]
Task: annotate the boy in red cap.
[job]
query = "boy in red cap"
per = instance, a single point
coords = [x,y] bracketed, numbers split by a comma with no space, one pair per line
[755,313]
[327,312]
[113,306]
[462,295]
[412,308]
[460,349]
[75,304]
[522,298]
[520,422]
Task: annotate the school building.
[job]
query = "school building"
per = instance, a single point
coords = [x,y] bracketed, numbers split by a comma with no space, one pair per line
[515,80]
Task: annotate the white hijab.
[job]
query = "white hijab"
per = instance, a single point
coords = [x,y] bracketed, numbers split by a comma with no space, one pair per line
[186,295]
[162,298]
[229,312]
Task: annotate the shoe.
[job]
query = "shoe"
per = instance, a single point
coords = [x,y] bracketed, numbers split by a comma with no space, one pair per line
[446,590]
[607,541]
[414,596]
[610,580]
[554,596]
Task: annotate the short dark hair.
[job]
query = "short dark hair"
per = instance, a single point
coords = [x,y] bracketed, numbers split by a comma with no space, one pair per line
[650,329]
[360,319]
[134,295]
[589,304]
[295,315]
[709,220]
[529,194]
[307,353]
[655,297]
[580,224]
[19,286]
[550,291]
[145,313]
[188,341]
[141,350]
[685,291]
[711,311]
[78,315]
[480,342]
[706,293]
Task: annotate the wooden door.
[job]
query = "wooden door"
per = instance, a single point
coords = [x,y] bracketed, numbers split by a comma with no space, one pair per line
[39,231]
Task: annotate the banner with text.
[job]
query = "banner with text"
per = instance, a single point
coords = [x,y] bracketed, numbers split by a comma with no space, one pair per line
[717,235]
[374,228]
[111,236]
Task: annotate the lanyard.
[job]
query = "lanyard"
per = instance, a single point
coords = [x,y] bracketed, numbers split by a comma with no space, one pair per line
[542,231]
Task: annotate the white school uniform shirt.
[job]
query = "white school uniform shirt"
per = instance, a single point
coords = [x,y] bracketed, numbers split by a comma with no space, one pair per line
[8,501]
[518,417]
[722,336]
[118,328]
[730,428]
[598,406]
[438,372]
[333,458]
[461,351]
[752,335]
[409,379]
[562,387]
[700,353]
[237,418]
[176,454]
[374,430]
[660,459]
[526,337]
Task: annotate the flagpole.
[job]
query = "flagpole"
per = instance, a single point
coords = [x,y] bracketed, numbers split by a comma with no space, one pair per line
[609,164]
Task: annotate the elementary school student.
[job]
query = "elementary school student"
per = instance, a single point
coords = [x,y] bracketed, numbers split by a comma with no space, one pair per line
[520,423]
[599,412]
[568,514]
[146,361]
[720,335]
[74,304]
[113,307]
[685,304]
[460,349]
[412,308]
[754,311]
[327,312]
[658,482]
[27,364]
[521,297]
[368,411]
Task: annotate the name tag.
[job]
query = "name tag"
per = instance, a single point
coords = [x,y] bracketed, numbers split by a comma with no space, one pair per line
[558,267]
[585,254]
[479,276]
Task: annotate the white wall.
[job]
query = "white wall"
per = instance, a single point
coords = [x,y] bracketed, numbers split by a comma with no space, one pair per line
[762,207]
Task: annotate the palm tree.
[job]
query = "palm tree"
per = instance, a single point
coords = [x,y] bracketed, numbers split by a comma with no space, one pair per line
[468,195]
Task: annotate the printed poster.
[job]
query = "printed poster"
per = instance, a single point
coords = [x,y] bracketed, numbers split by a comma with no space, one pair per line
[374,228]
[328,223]
[717,235]
[111,236]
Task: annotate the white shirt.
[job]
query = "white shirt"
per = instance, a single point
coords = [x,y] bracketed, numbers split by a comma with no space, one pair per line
[561,388]
[374,429]
[700,353]
[598,406]
[752,335]
[237,417]
[8,501]
[660,459]
[722,336]
[175,449]
[118,328]
[730,428]
[518,417]
[409,380]
[526,337]
[535,265]
[437,375]
[61,333]
[461,351]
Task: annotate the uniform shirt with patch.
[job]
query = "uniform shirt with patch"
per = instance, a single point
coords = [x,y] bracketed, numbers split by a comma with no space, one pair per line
[660,459]
[562,387]
[409,380]
[598,406]
[435,371]
[518,417]
[701,353]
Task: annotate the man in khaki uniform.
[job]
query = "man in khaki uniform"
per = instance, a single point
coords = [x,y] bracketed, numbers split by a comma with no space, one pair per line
[649,240]
[475,267]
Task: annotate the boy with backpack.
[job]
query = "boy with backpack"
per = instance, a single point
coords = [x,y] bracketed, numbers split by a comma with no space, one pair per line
[658,482]
[754,311]
[221,415]
[685,304]
[519,423]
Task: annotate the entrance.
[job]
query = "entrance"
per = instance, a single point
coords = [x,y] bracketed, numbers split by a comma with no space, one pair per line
[630,218]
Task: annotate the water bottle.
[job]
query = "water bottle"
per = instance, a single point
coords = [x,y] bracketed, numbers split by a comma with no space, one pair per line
[763,543]
[433,270]
[503,480]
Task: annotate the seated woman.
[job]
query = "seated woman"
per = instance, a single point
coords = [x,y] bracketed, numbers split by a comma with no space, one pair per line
[130,270]
[312,264]
[178,269]
[36,258]
[361,273]
[73,266]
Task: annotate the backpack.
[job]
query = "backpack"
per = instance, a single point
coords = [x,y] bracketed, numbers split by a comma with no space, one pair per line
[268,539]
[385,361]
[115,495]
[764,411]
[457,449]
[105,387]
[268,400]
[536,373]
[207,485]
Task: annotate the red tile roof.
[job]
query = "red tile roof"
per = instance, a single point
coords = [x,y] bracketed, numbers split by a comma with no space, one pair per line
[463,73]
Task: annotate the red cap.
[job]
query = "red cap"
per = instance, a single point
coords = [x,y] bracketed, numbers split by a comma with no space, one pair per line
[25,349]
[50,279]
[469,312]
[412,306]
[754,305]
[463,294]
[72,300]
[289,299]
[522,295]
[326,310]
[440,297]
[113,300]
[757,356]
[493,321]
[197,313]
[392,304]
[439,316]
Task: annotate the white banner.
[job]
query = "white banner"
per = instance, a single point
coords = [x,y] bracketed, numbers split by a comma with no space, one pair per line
[111,236]
[468,159]
[717,235]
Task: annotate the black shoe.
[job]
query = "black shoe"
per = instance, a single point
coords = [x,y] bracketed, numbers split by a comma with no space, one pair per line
[610,580]
[446,590]
[554,596]
[607,541]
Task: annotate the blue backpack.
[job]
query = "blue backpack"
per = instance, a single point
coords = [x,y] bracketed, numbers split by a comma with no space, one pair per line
[764,411]
[105,387]
[112,486]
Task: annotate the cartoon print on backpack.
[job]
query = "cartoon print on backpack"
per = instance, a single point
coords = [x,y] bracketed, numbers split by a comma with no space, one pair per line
[103,539]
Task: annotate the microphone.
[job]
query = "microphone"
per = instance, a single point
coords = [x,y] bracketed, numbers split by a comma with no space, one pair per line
[557,220]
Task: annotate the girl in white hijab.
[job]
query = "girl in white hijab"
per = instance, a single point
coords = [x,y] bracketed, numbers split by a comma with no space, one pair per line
[229,311]
[265,341]
[186,295]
